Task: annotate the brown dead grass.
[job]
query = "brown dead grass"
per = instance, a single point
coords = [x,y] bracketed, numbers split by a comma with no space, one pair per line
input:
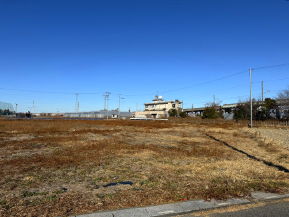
[58,167]
[263,148]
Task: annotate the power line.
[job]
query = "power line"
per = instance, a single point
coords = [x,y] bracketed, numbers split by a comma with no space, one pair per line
[152,93]
[143,94]
[227,76]
[279,79]
[48,92]
[205,82]
[241,85]
[226,98]
[270,66]
[229,88]
[191,86]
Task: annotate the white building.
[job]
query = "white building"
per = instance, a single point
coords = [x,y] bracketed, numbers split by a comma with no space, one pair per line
[158,108]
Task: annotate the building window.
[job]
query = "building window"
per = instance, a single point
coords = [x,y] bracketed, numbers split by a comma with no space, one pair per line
[174,105]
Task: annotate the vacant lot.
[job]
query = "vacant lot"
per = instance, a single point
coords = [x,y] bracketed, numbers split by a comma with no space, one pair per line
[273,135]
[66,167]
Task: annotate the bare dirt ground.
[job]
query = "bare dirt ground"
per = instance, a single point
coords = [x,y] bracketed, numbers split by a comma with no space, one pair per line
[63,167]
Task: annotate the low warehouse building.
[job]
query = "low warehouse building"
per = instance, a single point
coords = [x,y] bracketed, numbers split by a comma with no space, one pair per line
[113,114]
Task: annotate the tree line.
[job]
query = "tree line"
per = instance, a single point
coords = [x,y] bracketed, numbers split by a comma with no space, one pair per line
[277,108]
[270,108]
[6,112]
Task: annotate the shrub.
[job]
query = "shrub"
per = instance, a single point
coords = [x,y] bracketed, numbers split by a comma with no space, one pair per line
[211,113]
[183,114]
[242,112]
[173,113]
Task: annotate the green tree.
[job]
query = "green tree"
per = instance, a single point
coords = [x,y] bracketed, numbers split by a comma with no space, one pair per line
[183,114]
[211,113]
[270,103]
[241,112]
[261,111]
[5,112]
[173,113]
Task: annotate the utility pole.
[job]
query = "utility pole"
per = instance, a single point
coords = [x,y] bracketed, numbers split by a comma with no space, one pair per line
[251,99]
[76,103]
[119,100]
[106,98]
[104,104]
[262,87]
[119,97]
[33,107]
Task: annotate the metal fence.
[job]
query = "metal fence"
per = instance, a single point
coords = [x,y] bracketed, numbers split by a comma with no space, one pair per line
[271,123]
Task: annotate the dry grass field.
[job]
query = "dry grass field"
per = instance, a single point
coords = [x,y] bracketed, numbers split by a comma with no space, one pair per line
[63,167]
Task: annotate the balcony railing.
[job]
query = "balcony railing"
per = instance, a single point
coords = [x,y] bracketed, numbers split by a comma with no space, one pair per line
[155,109]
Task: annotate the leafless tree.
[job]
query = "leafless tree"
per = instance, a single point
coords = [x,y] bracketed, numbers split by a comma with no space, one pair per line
[283,102]
[283,97]
[284,94]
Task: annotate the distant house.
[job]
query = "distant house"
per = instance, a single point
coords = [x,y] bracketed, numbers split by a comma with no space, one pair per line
[158,108]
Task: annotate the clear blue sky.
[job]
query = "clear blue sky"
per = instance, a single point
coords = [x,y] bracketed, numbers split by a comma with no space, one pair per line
[139,48]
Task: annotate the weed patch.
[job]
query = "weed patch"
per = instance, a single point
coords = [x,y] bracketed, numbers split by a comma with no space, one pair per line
[70,167]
